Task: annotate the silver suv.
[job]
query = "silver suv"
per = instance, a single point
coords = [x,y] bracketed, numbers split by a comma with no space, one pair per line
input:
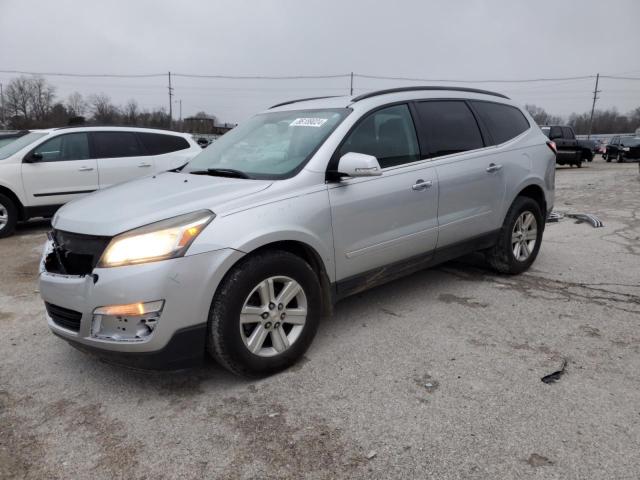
[243,250]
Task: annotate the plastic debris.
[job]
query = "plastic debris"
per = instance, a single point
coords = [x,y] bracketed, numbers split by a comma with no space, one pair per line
[587,217]
[371,454]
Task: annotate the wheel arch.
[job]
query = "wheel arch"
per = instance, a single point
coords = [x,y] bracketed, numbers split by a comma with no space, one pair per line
[305,251]
[536,193]
[14,198]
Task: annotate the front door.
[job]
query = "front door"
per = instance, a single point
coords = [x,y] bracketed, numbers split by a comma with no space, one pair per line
[378,221]
[60,171]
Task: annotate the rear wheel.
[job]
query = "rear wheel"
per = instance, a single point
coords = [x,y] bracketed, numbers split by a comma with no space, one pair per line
[265,314]
[519,239]
[8,216]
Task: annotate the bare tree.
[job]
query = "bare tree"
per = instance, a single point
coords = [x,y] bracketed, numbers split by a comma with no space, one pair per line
[76,105]
[541,117]
[131,112]
[18,96]
[102,108]
[41,98]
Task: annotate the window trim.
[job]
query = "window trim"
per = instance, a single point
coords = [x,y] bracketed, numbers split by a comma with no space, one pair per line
[51,137]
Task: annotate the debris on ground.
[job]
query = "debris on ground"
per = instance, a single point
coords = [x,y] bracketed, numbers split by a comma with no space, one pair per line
[555,376]
[273,415]
[536,460]
[554,217]
[586,217]
[371,454]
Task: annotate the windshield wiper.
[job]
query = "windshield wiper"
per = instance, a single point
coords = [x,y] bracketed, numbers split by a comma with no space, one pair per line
[221,172]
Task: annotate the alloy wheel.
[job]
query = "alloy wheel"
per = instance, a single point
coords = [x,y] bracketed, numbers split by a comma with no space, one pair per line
[273,316]
[4,216]
[524,236]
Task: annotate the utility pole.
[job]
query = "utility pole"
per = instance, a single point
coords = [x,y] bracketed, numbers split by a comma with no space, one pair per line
[593,105]
[351,88]
[170,102]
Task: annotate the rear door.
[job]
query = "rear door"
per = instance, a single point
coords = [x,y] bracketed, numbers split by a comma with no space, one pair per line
[121,157]
[168,151]
[63,172]
[471,182]
[379,221]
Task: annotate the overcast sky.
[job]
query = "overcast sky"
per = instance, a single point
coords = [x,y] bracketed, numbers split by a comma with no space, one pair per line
[466,40]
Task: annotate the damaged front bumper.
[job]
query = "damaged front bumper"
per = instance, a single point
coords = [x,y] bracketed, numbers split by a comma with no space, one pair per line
[150,315]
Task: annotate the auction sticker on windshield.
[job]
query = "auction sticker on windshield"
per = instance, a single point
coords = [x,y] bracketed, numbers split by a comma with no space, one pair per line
[308,122]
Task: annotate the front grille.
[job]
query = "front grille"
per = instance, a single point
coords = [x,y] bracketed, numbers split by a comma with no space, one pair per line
[75,253]
[65,318]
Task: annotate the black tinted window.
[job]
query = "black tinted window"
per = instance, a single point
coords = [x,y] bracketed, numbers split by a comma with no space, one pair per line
[388,135]
[449,127]
[72,146]
[567,132]
[503,121]
[157,143]
[116,144]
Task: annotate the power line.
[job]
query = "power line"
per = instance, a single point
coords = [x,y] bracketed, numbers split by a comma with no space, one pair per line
[324,76]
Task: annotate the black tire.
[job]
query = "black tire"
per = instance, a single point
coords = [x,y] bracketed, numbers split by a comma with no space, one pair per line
[501,256]
[607,159]
[6,205]
[619,158]
[224,340]
[579,164]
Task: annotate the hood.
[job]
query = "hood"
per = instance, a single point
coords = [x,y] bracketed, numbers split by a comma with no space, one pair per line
[140,202]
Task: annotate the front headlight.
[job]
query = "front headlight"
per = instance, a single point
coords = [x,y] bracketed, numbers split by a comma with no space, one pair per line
[625,149]
[159,241]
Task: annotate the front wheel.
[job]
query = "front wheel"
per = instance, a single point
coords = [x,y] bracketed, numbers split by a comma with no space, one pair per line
[519,239]
[8,216]
[265,314]
[620,159]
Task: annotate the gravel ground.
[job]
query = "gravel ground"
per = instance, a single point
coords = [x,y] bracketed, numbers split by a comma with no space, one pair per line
[437,375]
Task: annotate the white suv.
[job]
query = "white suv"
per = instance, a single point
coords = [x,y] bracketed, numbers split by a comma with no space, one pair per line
[45,169]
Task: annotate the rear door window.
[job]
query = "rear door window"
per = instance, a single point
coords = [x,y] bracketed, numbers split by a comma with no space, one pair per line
[387,134]
[72,146]
[116,145]
[448,126]
[555,132]
[158,143]
[568,133]
[504,122]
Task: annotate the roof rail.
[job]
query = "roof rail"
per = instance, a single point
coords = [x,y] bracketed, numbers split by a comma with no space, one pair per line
[412,89]
[301,100]
[114,125]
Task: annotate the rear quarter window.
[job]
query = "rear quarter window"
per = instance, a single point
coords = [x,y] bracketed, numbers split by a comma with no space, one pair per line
[116,145]
[504,122]
[158,143]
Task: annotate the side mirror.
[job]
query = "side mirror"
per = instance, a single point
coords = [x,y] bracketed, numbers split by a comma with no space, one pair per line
[355,165]
[33,157]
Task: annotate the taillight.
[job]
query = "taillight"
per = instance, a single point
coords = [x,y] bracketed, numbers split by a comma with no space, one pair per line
[552,146]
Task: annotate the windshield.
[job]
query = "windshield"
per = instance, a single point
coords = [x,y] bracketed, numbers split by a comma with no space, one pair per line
[630,142]
[19,143]
[271,145]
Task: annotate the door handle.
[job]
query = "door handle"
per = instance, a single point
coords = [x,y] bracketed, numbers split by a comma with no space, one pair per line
[85,169]
[422,185]
[493,168]
[141,165]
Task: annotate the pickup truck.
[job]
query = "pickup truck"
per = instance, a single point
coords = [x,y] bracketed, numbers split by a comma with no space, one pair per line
[570,152]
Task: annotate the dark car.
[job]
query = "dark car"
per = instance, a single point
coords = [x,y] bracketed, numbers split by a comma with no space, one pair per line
[622,148]
[9,136]
[570,152]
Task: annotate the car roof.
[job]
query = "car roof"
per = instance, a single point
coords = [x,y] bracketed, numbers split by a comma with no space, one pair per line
[382,97]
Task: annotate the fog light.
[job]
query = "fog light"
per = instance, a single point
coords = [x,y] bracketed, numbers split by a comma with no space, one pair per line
[134,322]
